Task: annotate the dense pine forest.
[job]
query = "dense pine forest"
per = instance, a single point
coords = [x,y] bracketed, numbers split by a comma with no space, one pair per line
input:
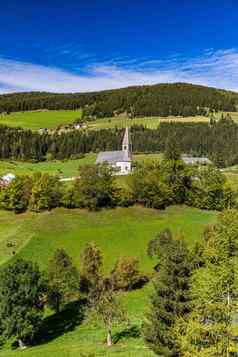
[218,140]
[157,100]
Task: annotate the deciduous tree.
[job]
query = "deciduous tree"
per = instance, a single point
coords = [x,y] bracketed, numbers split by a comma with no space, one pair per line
[22,289]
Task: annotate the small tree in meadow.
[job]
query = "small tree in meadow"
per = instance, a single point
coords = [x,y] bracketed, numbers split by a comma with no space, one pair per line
[126,273]
[22,289]
[63,280]
[108,307]
[91,268]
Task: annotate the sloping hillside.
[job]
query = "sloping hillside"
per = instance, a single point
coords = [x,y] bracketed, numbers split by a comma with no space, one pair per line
[157,100]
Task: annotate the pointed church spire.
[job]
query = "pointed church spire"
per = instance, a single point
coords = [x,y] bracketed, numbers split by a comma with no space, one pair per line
[126,143]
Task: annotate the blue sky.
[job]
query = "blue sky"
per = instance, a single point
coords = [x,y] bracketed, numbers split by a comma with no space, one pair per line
[66,46]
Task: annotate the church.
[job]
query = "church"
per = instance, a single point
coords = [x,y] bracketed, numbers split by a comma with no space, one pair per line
[121,160]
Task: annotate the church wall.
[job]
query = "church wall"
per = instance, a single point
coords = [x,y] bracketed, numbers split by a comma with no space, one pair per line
[125,167]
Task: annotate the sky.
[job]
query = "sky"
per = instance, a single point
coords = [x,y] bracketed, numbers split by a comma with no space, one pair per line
[88,45]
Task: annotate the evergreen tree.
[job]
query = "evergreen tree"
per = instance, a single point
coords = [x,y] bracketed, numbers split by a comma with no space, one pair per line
[208,331]
[172,150]
[169,300]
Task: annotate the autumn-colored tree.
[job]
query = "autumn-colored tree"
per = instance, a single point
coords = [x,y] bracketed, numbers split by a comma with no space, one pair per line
[126,274]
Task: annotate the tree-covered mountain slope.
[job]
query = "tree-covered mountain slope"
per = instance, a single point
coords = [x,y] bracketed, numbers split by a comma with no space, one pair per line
[155,100]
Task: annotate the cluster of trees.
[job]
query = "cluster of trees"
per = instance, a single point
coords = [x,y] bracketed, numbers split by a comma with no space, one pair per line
[218,140]
[25,291]
[26,145]
[157,100]
[151,185]
[193,307]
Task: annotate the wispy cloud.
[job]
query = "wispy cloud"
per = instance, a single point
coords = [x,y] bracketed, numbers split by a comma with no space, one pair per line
[213,68]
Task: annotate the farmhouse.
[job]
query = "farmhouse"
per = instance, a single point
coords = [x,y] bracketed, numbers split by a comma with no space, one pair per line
[120,160]
[189,160]
[7,179]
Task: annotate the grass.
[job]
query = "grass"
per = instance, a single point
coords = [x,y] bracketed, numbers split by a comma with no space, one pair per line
[150,122]
[35,120]
[116,232]
[232,179]
[121,231]
[66,168]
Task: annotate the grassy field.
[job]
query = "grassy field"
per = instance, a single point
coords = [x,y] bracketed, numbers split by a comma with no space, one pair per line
[121,231]
[50,119]
[65,168]
[149,122]
[36,120]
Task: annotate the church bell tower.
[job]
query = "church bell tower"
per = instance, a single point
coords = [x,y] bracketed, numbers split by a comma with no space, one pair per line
[126,143]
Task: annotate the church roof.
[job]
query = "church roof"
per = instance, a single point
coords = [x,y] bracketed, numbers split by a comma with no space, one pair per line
[112,157]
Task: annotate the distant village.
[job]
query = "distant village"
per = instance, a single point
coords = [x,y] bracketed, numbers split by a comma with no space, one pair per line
[63,128]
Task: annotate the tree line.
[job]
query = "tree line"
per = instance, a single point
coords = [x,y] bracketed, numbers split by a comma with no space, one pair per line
[156,100]
[155,185]
[217,140]
[192,308]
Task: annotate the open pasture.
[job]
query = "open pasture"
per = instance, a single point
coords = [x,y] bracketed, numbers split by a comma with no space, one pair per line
[148,122]
[40,119]
[65,168]
[121,231]
[50,119]
[151,122]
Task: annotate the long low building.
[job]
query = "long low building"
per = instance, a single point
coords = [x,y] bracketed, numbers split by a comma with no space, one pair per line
[190,160]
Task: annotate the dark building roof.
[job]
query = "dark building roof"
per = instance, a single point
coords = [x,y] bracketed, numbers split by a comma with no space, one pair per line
[112,157]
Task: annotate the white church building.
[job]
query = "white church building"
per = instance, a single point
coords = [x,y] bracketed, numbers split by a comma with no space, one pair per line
[120,160]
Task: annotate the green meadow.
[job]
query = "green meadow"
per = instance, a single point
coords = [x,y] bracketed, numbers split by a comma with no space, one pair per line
[66,168]
[40,119]
[35,120]
[151,122]
[120,231]
[148,122]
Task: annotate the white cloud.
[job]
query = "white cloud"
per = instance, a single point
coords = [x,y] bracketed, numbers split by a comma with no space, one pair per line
[213,68]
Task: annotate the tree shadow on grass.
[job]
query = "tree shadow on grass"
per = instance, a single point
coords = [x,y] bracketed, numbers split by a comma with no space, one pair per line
[58,324]
[131,332]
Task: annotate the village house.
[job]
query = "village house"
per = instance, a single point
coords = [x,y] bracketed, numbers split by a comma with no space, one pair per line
[199,161]
[7,179]
[121,160]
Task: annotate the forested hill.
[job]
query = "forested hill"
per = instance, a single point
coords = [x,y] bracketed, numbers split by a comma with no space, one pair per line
[157,100]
